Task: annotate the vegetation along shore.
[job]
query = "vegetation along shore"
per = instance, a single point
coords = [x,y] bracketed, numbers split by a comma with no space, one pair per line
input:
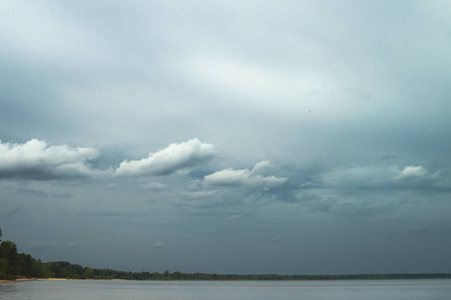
[15,266]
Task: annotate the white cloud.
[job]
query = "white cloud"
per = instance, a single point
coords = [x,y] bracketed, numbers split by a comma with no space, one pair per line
[36,160]
[244,177]
[168,160]
[410,172]
[261,166]
[228,177]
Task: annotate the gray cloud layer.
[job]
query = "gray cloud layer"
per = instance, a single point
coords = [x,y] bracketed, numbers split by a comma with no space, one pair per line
[138,125]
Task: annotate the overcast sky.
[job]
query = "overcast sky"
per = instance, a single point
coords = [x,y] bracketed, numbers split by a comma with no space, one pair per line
[290,137]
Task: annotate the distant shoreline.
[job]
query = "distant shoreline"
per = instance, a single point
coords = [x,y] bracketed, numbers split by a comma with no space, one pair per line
[56,279]
[252,277]
[18,280]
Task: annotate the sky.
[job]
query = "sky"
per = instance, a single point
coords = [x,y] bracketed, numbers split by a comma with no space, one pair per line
[289,137]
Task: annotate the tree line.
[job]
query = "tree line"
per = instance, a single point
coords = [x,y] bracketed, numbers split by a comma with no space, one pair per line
[15,265]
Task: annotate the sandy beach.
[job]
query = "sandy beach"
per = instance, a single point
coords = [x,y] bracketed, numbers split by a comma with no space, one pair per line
[53,279]
[19,279]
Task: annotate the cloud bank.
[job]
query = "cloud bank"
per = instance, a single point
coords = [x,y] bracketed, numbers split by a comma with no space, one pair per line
[168,160]
[382,177]
[244,177]
[36,160]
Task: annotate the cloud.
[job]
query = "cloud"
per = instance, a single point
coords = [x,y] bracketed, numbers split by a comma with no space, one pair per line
[388,156]
[419,229]
[36,160]
[158,245]
[156,186]
[250,79]
[356,176]
[110,213]
[168,160]
[234,217]
[409,172]
[51,34]
[200,194]
[261,166]
[276,239]
[382,177]
[13,211]
[57,244]
[243,177]
[228,177]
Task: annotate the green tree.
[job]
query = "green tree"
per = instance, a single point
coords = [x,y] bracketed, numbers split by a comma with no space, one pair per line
[9,257]
[88,273]
[41,270]
[25,265]
[176,275]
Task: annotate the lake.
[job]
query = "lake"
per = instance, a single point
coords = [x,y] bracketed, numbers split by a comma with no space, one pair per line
[430,289]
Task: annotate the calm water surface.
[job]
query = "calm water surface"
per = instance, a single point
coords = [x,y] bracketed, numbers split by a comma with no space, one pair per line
[161,290]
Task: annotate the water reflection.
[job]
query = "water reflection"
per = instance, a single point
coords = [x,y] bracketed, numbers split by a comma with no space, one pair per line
[198,290]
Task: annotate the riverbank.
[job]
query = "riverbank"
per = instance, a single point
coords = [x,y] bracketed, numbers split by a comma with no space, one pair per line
[18,280]
[177,276]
